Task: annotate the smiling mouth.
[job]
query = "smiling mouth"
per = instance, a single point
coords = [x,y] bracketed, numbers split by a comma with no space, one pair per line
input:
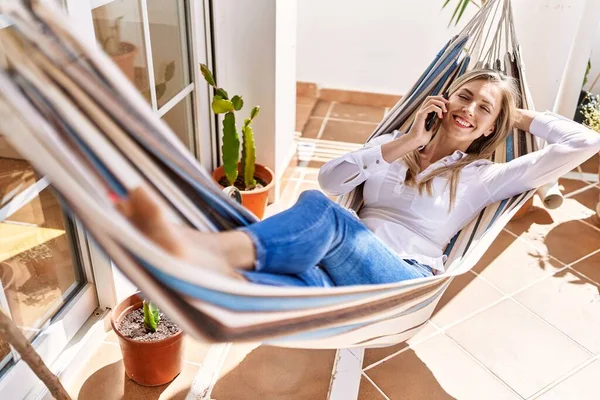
[461,122]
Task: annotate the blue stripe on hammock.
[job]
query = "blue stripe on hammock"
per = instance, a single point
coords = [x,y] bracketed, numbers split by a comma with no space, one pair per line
[254,303]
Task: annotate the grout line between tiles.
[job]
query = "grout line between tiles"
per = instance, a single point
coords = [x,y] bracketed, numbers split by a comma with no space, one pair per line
[552,326]
[324,123]
[484,366]
[580,190]
[376,386]
[408,346]
[561,379]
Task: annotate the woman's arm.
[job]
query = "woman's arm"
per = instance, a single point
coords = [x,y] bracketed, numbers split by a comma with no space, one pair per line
[569,144]
[343,174]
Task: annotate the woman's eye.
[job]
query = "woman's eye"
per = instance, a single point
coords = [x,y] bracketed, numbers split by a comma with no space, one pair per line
[462,96]
[487,110]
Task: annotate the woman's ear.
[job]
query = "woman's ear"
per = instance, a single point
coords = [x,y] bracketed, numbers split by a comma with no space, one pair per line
[490,131]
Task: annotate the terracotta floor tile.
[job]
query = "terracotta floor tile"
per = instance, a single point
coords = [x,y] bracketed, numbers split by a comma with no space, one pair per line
[591,166]
[278,373]
[194,351]
[354,112]
[437,369]
[512,264]
[583,385]
[466,294]
[302,115]
[588,198]
[373,355]
[321,108]
[348,131]
[571,303]
[367,391]
[312,127]
[570,185]
[518,347]
[103,378]
[305,101]
[557,233]
[590,267]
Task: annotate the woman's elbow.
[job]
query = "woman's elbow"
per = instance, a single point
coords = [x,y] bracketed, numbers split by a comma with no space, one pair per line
[329,187]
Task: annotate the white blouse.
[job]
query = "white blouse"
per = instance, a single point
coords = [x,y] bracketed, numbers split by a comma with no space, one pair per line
[418,226]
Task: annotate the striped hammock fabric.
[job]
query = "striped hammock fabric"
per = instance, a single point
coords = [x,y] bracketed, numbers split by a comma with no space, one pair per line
[73,114]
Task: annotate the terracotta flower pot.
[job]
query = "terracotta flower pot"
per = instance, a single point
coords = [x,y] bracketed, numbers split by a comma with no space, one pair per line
[147,363]
[253,200]
[125,59]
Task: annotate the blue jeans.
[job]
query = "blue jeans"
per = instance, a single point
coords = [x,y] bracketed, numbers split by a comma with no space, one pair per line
[319,243]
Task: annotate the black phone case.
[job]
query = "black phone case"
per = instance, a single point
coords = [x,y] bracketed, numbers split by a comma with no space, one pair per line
[432,117]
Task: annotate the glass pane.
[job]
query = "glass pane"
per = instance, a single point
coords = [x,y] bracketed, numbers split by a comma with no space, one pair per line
[119,30]
[168,35]
[37,269]
[179,118]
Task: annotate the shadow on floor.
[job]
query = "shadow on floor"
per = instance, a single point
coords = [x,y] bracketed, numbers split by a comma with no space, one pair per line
[111,383]
[405,376]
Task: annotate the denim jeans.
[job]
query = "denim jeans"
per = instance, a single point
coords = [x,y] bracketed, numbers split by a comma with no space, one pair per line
[319,243]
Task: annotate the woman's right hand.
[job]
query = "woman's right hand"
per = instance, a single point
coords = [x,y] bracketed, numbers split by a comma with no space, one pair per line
[437,104]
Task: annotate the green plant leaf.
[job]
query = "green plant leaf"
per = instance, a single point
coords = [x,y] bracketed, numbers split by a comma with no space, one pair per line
[221,92]
[254,112]
[222,106]
[161,88]
[208,76]
[170,71]
[151,316]
[238,103]
[230,148]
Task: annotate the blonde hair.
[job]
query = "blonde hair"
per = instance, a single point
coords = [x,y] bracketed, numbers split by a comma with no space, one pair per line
[482,147]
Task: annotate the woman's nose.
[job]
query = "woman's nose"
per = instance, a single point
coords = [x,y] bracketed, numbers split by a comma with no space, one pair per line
[469,109]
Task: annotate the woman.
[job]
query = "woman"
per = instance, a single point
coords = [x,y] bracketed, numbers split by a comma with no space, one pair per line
[421,188]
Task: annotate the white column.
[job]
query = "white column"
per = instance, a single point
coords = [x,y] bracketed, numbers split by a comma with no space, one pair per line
[570,86]
[255,57]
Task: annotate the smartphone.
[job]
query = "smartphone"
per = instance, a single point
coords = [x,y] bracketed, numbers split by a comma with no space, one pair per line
[432,116]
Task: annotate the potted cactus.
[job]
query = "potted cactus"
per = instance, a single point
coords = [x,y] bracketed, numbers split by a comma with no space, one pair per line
[151,344]
[253,180]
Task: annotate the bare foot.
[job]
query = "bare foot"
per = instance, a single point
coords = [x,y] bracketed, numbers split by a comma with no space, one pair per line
[190,245]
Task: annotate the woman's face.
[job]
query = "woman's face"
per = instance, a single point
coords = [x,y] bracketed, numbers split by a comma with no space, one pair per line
[472,111]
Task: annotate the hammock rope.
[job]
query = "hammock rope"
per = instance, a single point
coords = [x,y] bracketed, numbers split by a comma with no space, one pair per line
[79,121]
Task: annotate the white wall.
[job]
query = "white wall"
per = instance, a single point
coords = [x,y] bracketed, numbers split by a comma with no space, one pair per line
[383,46]
[255,58]
[595,70]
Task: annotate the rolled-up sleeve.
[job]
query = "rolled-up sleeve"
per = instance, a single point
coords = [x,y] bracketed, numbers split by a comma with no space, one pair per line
[343,174]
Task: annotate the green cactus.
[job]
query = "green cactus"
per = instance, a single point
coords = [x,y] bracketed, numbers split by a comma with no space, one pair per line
[151,316]
[249,150]
[230,148]
[222,104]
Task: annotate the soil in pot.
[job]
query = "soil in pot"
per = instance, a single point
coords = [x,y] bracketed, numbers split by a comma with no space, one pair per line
[132,327]
[239,182]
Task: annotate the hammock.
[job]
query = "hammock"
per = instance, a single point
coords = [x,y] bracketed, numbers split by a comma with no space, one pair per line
[78,120]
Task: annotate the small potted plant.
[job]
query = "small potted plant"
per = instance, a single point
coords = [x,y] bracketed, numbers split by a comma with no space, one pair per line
[585,98]
[151,344]
[253,180]
[591,119]
[122,53]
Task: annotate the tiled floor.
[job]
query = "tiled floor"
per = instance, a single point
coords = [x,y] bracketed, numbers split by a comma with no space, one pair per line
[523,324]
